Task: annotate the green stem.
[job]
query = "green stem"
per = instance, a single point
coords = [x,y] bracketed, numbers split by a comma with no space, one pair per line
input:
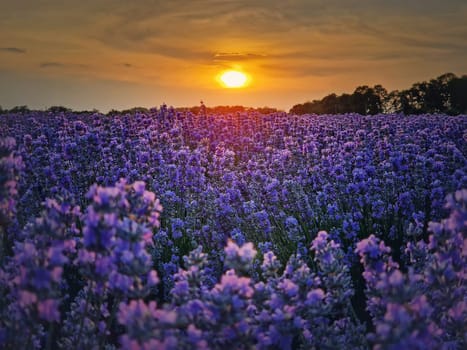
[50,336]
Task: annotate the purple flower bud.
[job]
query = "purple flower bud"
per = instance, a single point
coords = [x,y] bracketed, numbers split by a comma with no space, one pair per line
[314,296]
[48,310]
[153,279]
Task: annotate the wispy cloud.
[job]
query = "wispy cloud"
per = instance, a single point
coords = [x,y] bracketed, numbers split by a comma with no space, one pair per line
[55,64]
[237,56]
[299,70]
[51,65]
[13,50]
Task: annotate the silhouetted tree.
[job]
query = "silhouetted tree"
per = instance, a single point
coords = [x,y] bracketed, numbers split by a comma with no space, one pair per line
[368,100]
[19,109]
[382,96]
[445,94]
[58,109]
[457,89]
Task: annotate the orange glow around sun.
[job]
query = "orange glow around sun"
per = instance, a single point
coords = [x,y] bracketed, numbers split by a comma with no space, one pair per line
[233,79]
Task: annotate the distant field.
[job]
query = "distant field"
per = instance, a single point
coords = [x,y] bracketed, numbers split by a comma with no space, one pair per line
[357,227]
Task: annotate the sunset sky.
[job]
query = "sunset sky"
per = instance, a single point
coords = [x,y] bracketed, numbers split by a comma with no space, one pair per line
[116,54]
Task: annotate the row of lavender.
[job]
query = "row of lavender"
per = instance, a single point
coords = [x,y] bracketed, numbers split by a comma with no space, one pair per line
[103,267]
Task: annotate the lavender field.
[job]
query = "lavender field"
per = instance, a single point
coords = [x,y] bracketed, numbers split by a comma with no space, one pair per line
[170,230]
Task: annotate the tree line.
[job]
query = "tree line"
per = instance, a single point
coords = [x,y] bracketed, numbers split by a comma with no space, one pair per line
[201,109]
[227,109]
[446,94]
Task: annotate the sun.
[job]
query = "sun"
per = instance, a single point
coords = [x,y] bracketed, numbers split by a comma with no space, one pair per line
[233,79]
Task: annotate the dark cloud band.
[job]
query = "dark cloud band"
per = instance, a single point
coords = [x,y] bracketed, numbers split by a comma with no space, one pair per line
[13,50]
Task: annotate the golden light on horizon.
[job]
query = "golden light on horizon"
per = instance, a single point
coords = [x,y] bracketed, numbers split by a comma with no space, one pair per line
[233,79]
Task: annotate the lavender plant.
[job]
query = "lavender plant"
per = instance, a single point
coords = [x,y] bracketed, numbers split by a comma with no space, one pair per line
[425,306]
[265,217]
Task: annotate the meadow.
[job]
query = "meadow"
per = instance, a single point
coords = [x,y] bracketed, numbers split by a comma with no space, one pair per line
[174,230]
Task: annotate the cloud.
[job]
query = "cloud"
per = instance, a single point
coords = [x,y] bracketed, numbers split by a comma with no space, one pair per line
[13,50]
[303,71]
[438,40]
[185,53]
[51,65]
[225,32]
[236,56]
[54,64]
